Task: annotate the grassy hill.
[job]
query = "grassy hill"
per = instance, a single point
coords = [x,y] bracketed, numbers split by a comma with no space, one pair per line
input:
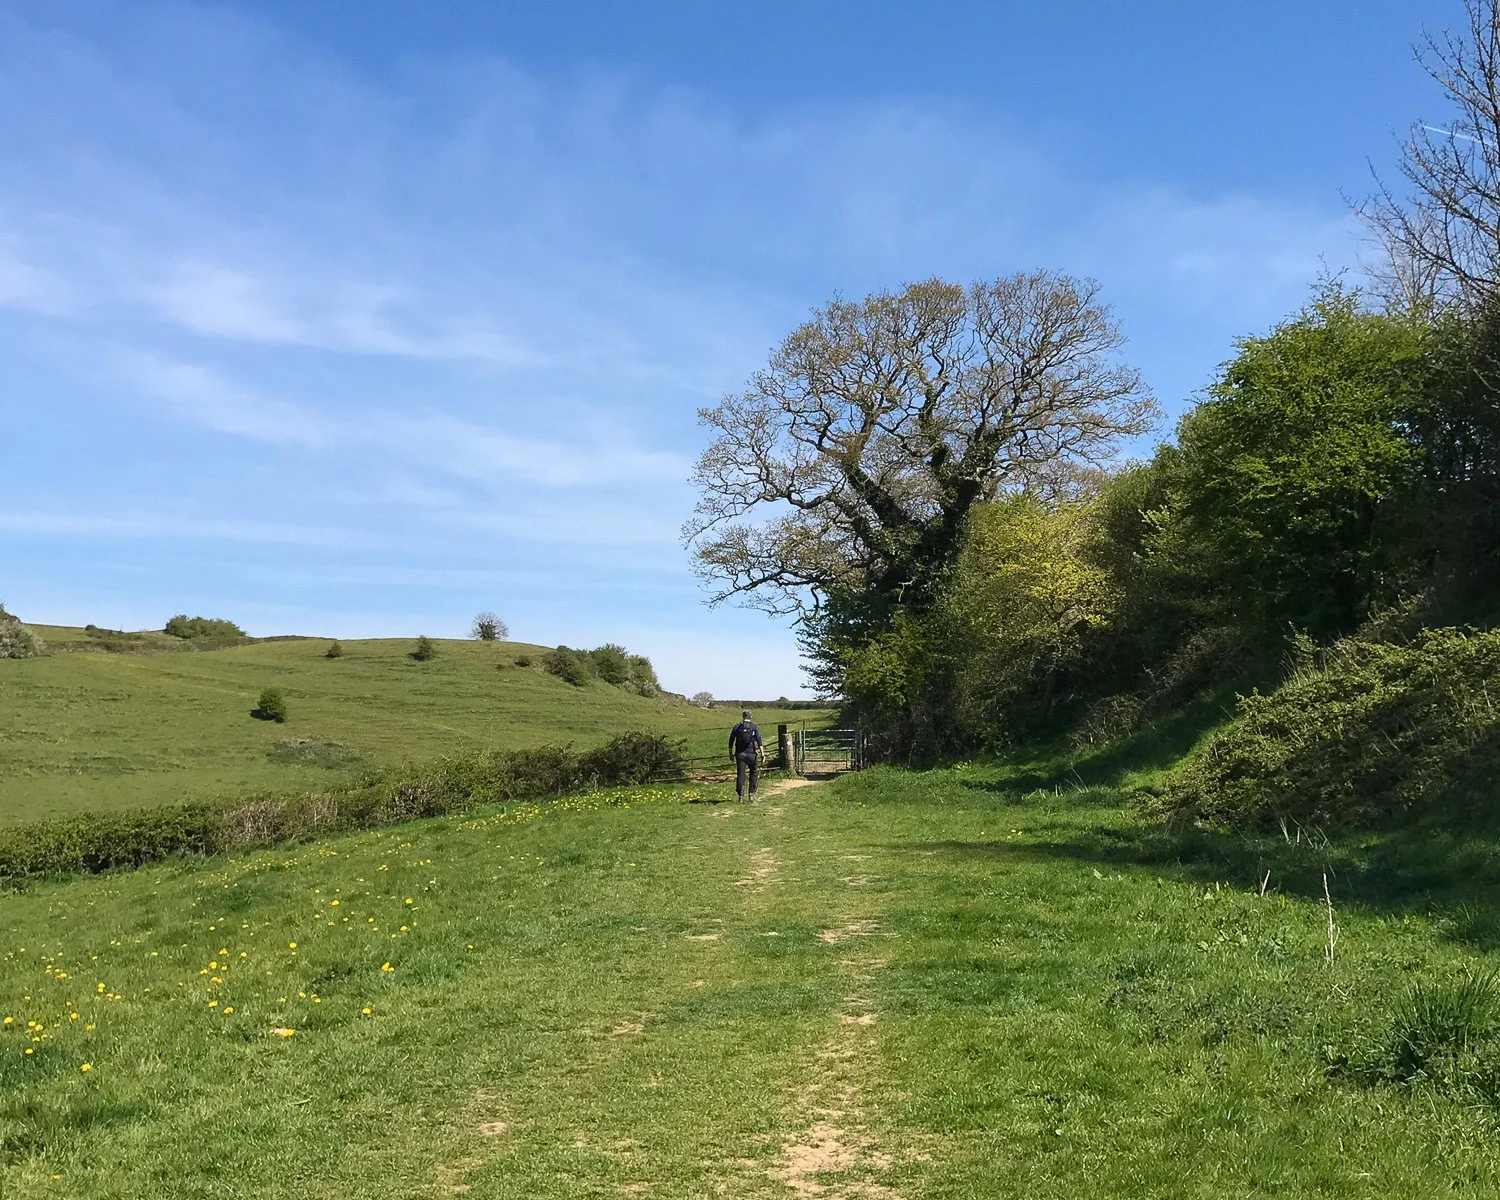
[896,985]
[86,729]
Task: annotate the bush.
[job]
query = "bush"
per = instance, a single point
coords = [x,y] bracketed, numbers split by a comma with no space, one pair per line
[426,649]
[523,660]
[1371,735]
[571,666]
[610,663]
[489,628]
[105,841]
[271,706]
[16,641]
[334,651]
[703,699]
[199,628]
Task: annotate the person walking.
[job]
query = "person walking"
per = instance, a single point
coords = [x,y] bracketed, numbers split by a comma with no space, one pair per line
[744,751]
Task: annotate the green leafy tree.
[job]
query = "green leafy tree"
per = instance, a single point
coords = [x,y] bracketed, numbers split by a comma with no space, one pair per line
[1279,474]
[426,649]
[844,474]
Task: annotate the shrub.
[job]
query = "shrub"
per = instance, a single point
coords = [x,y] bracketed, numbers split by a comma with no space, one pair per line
[704,699]
[426,649]
[1373,734]
[271,706]
[571,666]
[489,628]
[334,651]
[199,628]
[523,660]
[16,641]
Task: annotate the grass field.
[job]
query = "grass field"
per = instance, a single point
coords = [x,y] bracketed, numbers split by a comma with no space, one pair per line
[89,730]
[940,985]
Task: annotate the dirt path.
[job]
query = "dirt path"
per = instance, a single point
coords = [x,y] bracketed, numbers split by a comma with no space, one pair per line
[833,1149]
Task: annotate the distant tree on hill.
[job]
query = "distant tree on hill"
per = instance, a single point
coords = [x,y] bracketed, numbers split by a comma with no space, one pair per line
[489,628]
[271,706]
[425,650]
[192,628]
[703,699]
[335,651]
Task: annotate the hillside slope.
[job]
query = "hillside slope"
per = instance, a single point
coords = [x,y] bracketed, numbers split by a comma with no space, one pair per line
[90,730]
[891,986]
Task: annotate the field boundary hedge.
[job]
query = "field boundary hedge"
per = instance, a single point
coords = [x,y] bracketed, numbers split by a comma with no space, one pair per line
[96,842]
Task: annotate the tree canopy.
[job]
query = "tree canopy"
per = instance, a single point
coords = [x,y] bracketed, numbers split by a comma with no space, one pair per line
[850,463]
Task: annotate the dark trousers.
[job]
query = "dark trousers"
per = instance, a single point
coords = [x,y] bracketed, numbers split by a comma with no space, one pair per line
[746,763]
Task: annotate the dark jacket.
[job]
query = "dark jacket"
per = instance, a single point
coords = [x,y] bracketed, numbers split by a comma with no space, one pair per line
[744,738]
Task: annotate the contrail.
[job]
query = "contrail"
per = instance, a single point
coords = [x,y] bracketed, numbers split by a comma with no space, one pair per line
[1450,133]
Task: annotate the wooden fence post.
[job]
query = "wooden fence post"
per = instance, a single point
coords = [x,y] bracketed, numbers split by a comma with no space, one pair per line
[783,748]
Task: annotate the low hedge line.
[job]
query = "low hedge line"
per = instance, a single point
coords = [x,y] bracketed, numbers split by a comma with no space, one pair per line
[106,841]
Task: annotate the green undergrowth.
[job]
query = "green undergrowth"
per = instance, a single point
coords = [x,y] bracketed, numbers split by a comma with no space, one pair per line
[940,984]
[1371,734]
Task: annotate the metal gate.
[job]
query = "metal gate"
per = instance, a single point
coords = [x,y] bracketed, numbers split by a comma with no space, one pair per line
[827,751]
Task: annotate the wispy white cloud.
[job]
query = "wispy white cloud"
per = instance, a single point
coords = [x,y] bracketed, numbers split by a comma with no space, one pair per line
[440,442]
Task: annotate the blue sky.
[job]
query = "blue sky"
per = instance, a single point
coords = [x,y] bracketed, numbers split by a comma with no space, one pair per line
[356,318]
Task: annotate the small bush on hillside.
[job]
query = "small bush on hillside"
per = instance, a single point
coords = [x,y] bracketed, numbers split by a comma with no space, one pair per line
[271,706]
[16,641]
[523,660]
[426,649]
[197,628]
[489,628]
[1374,734]
[334,651]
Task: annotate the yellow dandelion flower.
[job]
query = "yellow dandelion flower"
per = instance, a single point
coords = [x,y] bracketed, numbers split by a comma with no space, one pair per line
[291,945]
[386,967]
[228,1009]
[72,1016]
[365,1011]
[88,1029]
[87,1067]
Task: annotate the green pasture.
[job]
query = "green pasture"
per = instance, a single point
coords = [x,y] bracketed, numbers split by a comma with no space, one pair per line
[83,730]
[976,983]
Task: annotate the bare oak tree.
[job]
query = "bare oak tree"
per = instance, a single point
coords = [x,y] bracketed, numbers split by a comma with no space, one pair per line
[852,461]
[1443,241]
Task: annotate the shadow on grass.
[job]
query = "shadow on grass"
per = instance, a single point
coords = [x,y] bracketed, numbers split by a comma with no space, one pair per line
[1453,876]
[1153,748]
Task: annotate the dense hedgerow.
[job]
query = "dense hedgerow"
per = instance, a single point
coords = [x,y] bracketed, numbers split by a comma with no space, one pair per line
[610,663]
[104,841]
[205,628]
[1374,734]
